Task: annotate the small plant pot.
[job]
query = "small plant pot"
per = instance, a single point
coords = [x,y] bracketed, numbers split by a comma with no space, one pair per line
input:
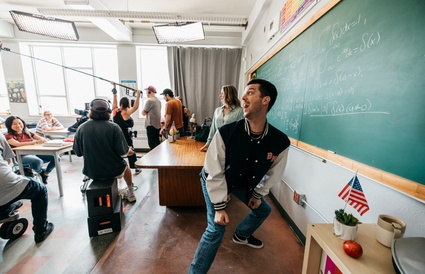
[345,232]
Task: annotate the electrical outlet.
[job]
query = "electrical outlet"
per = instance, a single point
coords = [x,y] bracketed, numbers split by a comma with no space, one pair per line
[299,198]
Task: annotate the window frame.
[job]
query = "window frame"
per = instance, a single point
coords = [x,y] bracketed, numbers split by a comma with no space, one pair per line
[35,96]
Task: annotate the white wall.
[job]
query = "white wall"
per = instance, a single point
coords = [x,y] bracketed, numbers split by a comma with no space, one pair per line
[321,182]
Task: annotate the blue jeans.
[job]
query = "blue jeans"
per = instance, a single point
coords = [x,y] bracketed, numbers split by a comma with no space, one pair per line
[213,235]
[37,193]
[36,162]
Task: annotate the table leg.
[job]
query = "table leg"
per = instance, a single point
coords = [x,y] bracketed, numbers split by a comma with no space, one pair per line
[59,173]
[21,166]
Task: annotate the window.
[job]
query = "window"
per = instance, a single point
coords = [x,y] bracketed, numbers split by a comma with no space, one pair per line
[62,78]
[152,62]
[4,99]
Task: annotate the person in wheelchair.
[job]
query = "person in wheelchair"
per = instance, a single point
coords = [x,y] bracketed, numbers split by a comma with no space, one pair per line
[16,187]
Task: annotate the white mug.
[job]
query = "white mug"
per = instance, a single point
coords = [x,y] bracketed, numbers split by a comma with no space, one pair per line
[388,229]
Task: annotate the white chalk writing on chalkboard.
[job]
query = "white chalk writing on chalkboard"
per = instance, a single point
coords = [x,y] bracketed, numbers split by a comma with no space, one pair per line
[353,81]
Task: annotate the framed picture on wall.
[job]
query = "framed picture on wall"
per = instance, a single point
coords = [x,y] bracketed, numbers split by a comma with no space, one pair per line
[16,91]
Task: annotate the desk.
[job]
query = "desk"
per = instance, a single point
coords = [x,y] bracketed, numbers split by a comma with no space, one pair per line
[376,258]
[42,150]
[179,164]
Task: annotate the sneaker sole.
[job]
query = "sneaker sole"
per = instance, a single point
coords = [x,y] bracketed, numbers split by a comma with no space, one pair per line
[247,244]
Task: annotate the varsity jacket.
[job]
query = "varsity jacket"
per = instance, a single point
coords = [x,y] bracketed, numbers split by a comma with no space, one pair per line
[236,159]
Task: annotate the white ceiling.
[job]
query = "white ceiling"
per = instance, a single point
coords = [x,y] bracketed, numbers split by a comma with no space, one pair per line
[126,16]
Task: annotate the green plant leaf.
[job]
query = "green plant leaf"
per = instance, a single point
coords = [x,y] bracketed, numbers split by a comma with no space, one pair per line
[345,218]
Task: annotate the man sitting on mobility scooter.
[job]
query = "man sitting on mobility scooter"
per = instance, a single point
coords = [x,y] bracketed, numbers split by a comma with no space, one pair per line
[14,188]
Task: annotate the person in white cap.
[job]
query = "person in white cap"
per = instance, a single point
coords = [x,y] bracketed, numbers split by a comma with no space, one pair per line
[152,111]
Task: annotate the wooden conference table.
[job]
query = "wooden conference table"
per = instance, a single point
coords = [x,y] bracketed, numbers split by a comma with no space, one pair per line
[179,164]
[56,151]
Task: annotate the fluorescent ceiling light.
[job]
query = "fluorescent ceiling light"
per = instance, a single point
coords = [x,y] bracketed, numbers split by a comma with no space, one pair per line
[179,32]
[48,26]
[76,2]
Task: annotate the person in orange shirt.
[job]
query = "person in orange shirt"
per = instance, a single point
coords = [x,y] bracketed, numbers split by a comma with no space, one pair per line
[173,112]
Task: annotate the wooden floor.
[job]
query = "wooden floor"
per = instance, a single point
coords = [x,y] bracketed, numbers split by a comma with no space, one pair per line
[154,239]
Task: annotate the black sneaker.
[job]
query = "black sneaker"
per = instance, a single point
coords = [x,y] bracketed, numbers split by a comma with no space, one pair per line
[38,238]
[44,177]
[250,241]
[137,171]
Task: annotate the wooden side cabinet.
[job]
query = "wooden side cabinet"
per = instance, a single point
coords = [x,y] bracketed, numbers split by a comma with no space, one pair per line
[376,258]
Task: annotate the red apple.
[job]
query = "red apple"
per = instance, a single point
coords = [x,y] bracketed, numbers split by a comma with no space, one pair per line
[353,249]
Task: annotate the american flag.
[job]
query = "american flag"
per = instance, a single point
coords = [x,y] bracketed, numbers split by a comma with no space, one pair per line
[357,199]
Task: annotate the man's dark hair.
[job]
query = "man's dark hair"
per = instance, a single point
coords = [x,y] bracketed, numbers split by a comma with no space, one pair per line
[266,89]
[96,115]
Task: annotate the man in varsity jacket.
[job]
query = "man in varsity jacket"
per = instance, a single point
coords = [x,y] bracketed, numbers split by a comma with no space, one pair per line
[245,158]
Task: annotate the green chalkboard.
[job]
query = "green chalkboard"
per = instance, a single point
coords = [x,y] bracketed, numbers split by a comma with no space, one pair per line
[354,83]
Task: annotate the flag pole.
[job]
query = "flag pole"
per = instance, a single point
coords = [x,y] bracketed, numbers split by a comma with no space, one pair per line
[351,187]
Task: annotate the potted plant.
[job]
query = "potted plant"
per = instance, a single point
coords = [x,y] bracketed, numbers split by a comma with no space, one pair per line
[345,218]
[345,225]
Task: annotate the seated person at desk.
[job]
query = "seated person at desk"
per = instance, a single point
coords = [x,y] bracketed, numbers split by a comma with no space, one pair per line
[16,187]
[48,123]
[102,144]
[18,135]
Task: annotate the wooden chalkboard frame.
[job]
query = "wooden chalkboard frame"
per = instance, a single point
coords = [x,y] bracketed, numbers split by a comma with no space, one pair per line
[396,182]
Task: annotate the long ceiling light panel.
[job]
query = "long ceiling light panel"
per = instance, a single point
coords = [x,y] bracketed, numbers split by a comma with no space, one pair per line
[175,33]
[48,26]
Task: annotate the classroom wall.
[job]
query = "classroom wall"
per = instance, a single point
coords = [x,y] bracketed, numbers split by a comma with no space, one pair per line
[127,65]
[320,180]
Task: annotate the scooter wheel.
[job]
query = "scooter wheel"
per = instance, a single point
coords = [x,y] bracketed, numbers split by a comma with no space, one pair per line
[17,228]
